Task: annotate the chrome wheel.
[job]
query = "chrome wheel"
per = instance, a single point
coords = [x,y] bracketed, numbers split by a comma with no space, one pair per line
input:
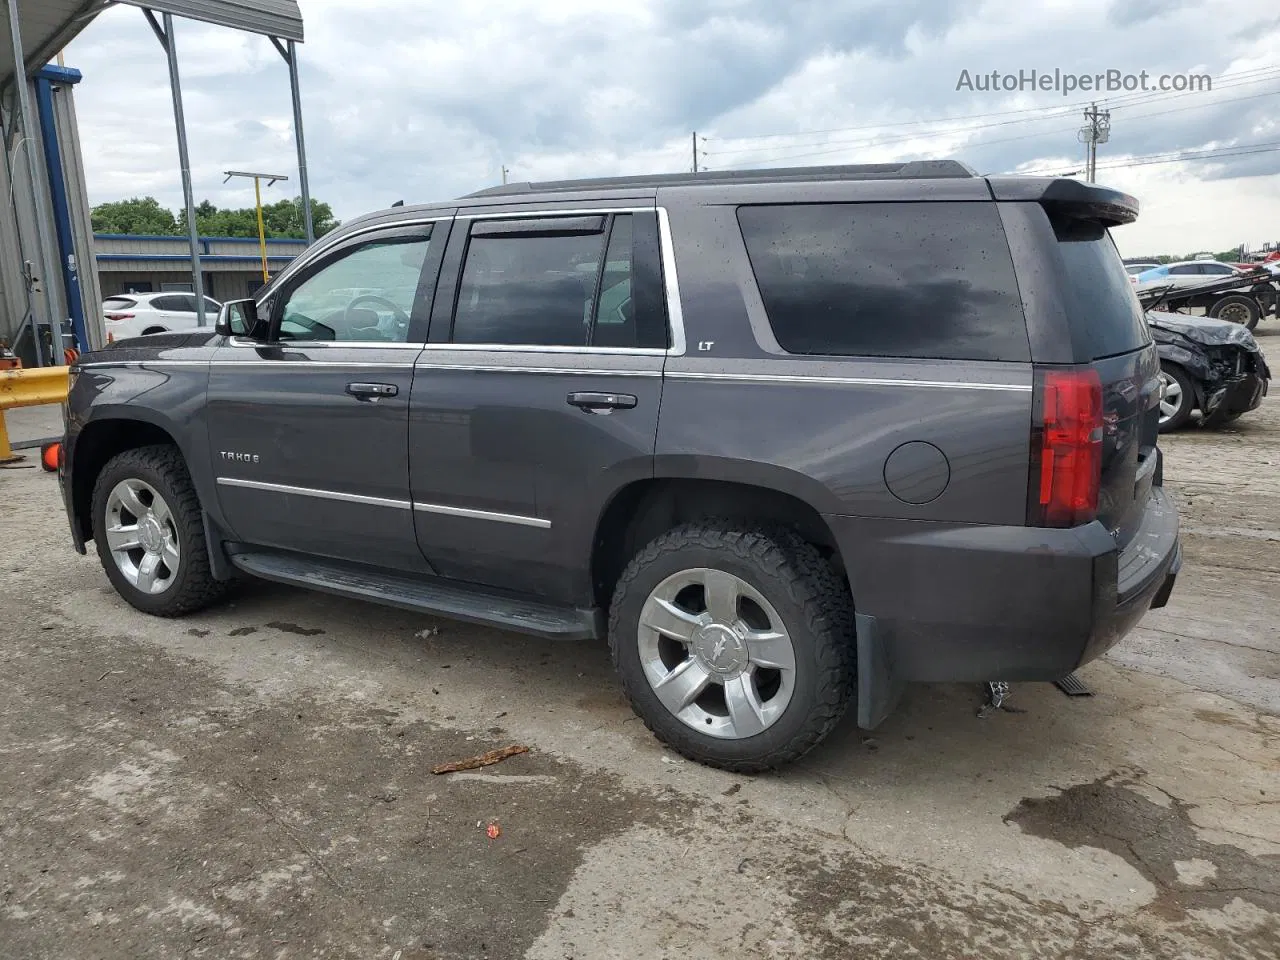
[1171,397]
[716,653]
[141,536]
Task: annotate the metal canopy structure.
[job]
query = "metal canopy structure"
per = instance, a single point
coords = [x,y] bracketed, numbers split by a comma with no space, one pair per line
[38,29]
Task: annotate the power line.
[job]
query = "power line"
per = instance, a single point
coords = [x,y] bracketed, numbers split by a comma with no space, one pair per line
[1241,78]
[843,146]
[1176,156]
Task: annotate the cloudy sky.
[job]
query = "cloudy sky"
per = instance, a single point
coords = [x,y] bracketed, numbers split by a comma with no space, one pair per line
[427,99]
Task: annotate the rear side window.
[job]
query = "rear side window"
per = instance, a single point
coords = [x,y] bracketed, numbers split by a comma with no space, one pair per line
[1185,270]
[1103,309]
[562,281]
[118,303]
[926,280]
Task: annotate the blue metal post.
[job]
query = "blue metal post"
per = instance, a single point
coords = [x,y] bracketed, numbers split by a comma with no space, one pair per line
[61,210]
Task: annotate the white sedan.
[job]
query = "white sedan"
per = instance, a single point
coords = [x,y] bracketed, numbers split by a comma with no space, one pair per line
[135,314]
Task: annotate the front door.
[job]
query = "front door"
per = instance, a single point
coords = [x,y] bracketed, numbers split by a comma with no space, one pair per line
[537,397]
[309,430]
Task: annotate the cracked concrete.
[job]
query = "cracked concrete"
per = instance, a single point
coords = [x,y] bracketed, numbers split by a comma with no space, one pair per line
[254,782]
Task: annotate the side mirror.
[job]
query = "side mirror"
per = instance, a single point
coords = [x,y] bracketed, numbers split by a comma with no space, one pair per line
[237,318]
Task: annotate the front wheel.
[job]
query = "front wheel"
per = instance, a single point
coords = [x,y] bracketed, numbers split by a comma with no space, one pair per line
[1177,398]
[736,648]
[149,532]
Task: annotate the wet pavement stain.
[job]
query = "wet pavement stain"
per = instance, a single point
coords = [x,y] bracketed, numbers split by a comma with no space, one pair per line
[285,627]
[242,631]
[1110,815]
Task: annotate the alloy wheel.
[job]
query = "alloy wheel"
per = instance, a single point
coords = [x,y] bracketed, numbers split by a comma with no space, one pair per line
[1170,397]
[716,653]
[142,536]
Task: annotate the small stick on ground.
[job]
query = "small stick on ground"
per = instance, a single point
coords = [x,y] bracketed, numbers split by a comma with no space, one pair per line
[483,760]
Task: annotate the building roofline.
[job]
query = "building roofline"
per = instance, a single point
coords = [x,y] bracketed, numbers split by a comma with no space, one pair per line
[184,239]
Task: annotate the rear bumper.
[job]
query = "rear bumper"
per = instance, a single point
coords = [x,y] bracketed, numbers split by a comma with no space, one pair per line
[949,602]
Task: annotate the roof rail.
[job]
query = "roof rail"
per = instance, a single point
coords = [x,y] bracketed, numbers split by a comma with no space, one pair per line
[909,170]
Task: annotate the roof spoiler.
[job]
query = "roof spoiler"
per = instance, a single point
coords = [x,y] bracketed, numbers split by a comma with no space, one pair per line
[1069,198]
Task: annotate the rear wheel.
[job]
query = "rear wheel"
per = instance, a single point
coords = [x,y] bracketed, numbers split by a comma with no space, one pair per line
[149,532]
[1177,397]
[1237,308]
[735,647]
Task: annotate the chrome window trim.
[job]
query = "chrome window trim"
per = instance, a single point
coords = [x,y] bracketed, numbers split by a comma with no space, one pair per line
[670,283]
[313,364]
[499,368]
[242,342]
[849,381]
[534,214]
[473,514]
[312,492]
[550,349]
[667,256]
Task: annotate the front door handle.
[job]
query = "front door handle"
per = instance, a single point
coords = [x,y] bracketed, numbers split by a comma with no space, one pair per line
[602,402]
[372,391]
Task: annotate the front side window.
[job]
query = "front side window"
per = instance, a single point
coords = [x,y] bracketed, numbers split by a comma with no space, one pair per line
[366,295]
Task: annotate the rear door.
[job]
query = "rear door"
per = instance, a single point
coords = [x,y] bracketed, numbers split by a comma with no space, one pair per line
[309,431]
[538,394]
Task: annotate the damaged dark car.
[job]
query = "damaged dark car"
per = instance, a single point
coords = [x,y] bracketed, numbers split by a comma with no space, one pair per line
[1213,367]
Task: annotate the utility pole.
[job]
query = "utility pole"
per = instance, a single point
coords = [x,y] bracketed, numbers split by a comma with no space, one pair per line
[505,171]
[1097,130]
[257,192]
[695,151]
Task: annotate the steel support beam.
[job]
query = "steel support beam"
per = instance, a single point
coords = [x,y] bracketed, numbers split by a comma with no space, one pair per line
[44,244]
[165,35]
[290,54]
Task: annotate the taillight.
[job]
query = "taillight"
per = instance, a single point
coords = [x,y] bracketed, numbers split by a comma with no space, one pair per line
[1066,448]
[119,316]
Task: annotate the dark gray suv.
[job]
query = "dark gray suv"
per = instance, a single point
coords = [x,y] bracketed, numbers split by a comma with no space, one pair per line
[790,439]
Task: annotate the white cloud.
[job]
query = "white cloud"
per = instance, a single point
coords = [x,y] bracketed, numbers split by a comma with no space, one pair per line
[422,101]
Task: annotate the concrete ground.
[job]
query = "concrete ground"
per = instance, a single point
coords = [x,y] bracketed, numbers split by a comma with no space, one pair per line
[255,781]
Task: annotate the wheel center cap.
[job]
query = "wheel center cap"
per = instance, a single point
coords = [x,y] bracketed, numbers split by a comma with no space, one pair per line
[151,534]
[720,648]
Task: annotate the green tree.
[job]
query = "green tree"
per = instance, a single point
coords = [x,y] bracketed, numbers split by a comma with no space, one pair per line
[280,219]
[135,216]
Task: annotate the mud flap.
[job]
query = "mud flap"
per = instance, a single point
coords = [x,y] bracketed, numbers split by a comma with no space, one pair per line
[879,689]
[219,565]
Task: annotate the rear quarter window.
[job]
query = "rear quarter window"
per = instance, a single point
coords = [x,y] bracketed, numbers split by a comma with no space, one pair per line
[923,280]
[1102,308]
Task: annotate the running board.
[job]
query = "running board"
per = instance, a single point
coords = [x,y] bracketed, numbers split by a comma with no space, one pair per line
[425,595]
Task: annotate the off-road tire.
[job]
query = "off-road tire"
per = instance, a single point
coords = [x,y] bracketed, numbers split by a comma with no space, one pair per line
[162,466]
[1183,416]
[810,597]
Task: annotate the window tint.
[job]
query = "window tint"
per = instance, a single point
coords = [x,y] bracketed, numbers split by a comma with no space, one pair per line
[168,304]
[1184,270]
[928,280]
[615,324]
[118,303]
[527,289]
[366,295]
[1216,269]
[1102,308]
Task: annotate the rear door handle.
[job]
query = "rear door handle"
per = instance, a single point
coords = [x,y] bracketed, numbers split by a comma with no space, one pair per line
[602,402]
[372,391]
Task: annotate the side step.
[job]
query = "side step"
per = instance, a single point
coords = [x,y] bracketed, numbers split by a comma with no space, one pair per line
[424,594]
